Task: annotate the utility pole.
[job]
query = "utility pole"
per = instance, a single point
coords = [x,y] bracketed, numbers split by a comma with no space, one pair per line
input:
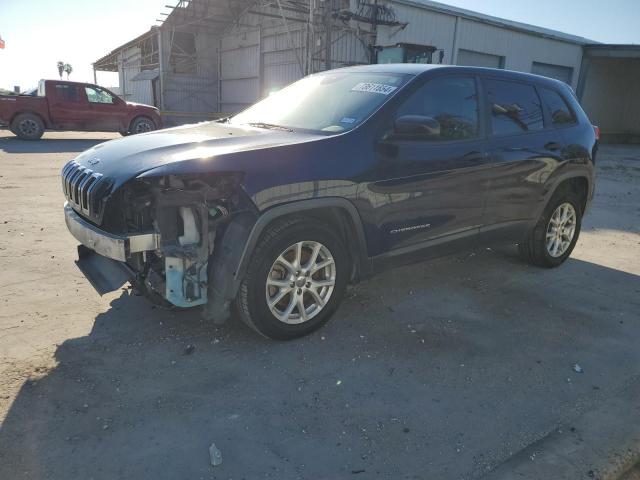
[328,21]
[374,20]
[310,38]
[161,67]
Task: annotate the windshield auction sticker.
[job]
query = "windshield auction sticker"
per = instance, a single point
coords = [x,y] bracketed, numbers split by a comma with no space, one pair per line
[374,88]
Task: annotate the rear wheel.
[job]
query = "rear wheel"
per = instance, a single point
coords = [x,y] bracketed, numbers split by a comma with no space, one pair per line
[296,280]
[141,125]
[28,126]
[555,235]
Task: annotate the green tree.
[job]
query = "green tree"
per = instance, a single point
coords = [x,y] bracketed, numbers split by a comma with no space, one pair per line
[68,69]
[60,69]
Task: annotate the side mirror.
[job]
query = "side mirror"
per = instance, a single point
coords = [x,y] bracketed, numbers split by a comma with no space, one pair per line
[416,127]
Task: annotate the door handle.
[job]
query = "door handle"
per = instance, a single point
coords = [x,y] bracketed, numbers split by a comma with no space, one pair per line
[474,156]
[553,146]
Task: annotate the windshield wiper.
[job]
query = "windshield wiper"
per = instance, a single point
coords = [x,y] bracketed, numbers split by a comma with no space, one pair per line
[269,126]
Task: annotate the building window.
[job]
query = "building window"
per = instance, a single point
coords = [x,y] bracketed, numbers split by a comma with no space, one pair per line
[515,107]
[559,72]
[183,53]
[479,59]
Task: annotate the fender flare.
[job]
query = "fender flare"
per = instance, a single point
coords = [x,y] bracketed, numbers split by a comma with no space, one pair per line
[299,207]
[554,182]
[233,262]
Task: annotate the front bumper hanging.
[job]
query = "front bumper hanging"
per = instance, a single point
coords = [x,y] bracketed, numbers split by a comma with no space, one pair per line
[116,247]
[103,256]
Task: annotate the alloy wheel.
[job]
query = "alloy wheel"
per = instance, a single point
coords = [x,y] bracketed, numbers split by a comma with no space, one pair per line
[300,282]
[561,230]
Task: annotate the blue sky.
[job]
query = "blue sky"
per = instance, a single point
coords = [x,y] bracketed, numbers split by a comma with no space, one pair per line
[38,33]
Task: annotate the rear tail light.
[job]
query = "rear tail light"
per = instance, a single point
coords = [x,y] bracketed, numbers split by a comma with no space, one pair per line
[596,129]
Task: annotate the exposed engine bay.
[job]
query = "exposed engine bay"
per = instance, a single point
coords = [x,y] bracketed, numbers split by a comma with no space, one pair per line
[188,216]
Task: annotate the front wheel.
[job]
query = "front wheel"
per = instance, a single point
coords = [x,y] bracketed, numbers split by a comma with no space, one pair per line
[555,235]
[296,279]
[141,125]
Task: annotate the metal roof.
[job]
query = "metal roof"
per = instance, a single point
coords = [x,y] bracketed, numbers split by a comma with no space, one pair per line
[110,61]
[496,21]
[612,50]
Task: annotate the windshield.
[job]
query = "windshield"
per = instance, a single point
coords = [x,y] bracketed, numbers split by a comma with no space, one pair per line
[329,102]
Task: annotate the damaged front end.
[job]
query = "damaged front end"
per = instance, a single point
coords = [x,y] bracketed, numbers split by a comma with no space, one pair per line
[165,232]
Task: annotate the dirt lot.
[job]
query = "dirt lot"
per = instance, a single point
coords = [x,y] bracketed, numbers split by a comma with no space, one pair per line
[440,370]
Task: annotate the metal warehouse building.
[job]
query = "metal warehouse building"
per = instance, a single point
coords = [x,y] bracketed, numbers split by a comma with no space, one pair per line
[212,57]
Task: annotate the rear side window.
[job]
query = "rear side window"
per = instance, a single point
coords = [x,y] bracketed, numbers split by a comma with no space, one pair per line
[452,101]
[67,93]
[515,107]
[559,110]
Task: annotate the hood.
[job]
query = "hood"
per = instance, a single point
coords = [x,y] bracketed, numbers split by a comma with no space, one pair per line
[138,105]
[205,143]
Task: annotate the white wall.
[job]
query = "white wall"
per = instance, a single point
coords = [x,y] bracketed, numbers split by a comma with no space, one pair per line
[425,28]
[520,49]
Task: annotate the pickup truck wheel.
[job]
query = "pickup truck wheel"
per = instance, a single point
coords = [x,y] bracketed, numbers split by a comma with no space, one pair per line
[555,235]
[296,279]
[141,125]
[28,126]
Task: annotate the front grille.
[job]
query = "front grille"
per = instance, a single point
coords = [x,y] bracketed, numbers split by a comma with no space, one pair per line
[85,190]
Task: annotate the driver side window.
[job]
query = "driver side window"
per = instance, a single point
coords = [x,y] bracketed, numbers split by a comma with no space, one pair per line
[452,102]
[96,95]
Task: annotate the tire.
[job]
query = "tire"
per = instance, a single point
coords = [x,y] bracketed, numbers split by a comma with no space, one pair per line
[281,240]
[141,125]
[534,249]
[27,126]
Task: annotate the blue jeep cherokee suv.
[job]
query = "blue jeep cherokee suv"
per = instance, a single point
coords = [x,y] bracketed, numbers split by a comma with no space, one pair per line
[337,176]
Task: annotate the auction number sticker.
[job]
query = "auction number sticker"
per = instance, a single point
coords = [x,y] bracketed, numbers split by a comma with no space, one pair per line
[374,88]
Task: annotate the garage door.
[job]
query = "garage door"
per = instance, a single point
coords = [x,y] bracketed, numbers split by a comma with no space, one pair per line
[559,72]
[479,59]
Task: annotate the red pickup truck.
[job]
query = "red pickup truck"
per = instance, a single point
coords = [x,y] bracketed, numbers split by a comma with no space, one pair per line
[61,105]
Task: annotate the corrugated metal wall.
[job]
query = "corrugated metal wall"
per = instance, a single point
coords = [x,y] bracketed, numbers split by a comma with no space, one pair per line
[264,55]
[283,54]
[193,92]
[520,49]
[424,28]
[132,90]
[239,70]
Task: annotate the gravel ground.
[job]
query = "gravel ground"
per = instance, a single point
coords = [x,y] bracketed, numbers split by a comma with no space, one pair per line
[438,370]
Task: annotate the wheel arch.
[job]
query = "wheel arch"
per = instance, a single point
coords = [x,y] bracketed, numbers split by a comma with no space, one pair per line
[579,180]
[141,115]
[232,256]
[335,211]
[30,112]
[578,183]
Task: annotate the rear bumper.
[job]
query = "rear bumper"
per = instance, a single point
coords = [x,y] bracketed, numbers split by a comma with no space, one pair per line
[116,247]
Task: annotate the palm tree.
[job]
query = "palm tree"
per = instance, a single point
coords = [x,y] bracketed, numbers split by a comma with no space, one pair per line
[60,69]
[68,69]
